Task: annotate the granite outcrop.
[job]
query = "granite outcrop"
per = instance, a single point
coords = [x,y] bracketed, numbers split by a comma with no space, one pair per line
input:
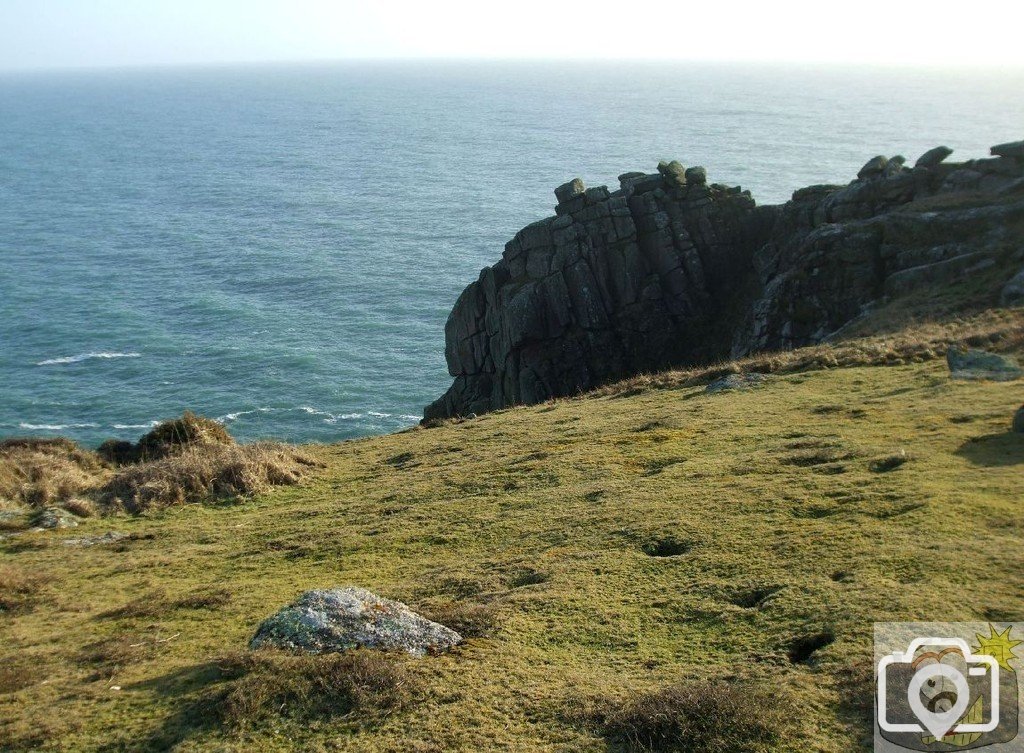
[669,269]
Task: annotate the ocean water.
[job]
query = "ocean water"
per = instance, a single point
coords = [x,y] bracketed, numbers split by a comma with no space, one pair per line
[279,246]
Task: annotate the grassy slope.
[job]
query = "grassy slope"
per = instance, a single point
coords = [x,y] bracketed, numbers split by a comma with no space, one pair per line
[772,488]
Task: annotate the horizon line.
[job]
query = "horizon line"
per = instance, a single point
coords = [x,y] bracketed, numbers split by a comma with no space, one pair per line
[936,65]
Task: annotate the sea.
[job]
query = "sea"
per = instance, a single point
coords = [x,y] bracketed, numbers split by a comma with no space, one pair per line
[278,246]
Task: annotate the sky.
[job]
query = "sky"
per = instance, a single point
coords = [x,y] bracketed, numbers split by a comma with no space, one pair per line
[101,33]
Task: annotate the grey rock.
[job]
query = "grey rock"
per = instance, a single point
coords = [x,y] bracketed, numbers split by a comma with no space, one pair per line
[1014,149]
[1018,420]
[1013,292]
[696,176]
[109,537]
[873,167]
[626,180]
[733,382]
[673,171]
[56,517]
[969,364]
[570,190]
[895,165]
[341,619]
[933,157]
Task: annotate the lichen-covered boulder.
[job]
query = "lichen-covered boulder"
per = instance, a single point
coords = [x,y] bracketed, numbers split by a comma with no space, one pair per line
[967,363]
[56,518]
[341,619]
[732,382]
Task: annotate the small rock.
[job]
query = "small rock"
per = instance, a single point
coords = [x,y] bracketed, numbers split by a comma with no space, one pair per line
[626,180]
[873,167]
[735,382]
[340,619]
[674,171]
[1018,420]
[570,190]
[978,364]
[56,517]
[107,538]
[933,157]
[895,165]
[1014,149]
[696,176]
[1013,291]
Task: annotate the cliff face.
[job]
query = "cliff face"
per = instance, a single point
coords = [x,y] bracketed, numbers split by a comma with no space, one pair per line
[668,270]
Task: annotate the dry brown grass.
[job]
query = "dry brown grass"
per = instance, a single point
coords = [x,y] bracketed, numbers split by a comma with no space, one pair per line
[205,472]
[994,330]
[468,619]
[702,716]
[42,472]
[19,589]
[166,439]
[270,684]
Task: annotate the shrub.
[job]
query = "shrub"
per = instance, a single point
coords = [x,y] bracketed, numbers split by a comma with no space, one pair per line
[706,715]
[266,684]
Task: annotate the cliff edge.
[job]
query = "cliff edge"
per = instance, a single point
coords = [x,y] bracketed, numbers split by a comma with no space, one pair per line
[669,270]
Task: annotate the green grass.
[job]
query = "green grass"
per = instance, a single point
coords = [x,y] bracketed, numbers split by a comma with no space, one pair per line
[608,548]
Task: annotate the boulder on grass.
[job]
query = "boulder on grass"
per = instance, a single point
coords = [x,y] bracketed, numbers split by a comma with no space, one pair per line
[735,382]
[342,619]
[965,363]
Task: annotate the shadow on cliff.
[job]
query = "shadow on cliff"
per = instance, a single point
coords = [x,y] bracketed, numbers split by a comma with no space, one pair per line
[999,449]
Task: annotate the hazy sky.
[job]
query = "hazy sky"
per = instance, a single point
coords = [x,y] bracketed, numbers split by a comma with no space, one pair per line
[73,33]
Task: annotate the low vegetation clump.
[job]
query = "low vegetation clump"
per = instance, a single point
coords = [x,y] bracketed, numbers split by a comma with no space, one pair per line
[168,438]
[19,588]
[270,684]
[184,460]
[468,619]
[204,473]
[704,716]
[42,472]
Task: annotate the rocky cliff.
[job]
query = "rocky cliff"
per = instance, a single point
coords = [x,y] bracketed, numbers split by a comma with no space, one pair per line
[669,270]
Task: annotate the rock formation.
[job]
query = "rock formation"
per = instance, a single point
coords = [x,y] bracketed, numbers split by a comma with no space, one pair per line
[669,270]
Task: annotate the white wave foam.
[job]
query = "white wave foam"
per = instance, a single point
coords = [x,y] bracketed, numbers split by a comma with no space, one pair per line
[227,417]
[315,411]
[55,427]
[85,357]
[378,414]
[150,425]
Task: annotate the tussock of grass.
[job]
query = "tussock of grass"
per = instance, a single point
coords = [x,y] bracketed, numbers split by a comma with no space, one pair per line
[19,588]
[43,472]
[268,684]
[468,619]
[206,472]
[189,459]
[889,462]
[704,716]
